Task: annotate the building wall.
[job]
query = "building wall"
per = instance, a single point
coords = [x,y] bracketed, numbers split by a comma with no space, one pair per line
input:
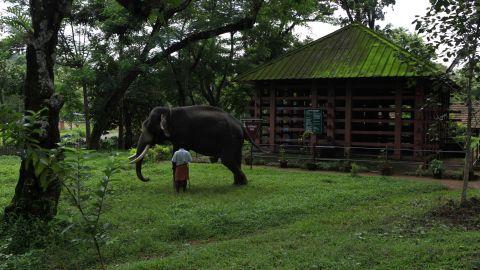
[357,113]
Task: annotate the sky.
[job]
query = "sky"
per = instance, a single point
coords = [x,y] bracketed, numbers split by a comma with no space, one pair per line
[401,15]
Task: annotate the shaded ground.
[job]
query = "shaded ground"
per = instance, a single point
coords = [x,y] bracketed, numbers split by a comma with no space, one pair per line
[466,215]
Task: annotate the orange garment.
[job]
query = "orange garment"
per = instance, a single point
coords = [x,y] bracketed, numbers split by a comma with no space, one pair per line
[181,173]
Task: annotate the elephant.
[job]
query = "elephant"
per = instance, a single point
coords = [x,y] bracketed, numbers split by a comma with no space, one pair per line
[206,130]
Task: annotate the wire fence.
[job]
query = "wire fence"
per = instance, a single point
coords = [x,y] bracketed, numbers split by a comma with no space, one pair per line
[320,153]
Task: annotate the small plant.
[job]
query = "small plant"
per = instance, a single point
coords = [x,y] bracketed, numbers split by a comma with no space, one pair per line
[90,205]
[437,168]
[385,168]
[354,170]
[283,160]
[420,171]
[384,165]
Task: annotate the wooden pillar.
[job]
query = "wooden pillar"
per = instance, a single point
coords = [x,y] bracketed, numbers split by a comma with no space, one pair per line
[398,121]
[257,111]
[331,113]
[418,121]
[348,118]
[314,105]
[272,122]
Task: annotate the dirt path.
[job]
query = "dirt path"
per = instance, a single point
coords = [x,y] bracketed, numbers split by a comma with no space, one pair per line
[449,183]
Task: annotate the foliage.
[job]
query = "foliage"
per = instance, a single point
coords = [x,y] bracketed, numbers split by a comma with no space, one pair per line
[411,42]
[355,169]
[366,12]
[437,167]
[90,205]
[156,154]
[23,132]
[454,27]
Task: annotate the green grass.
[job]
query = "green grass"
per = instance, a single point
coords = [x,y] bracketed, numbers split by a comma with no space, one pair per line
[284,219]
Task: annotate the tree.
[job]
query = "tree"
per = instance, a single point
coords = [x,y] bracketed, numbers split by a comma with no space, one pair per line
[410,42]
[454,28]
[34,197]
[204,72]
[75,53]
[366,12]
[158,24]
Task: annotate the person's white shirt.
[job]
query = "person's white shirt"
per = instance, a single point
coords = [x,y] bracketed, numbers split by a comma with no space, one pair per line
[181,156]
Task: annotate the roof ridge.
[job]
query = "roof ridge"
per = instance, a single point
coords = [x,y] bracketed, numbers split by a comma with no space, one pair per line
[292,51]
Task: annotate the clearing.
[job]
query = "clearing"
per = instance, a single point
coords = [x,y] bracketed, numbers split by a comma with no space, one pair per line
[282,220]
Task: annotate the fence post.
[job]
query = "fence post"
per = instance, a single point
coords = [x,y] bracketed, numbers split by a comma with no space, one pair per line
[251,156]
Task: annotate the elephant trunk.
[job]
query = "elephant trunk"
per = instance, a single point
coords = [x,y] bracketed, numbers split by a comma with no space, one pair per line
[138,168]
[142,150]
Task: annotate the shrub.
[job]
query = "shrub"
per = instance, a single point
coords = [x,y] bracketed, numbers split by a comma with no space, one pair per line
[109,143]
[162,152]
[437,168]
[355,169]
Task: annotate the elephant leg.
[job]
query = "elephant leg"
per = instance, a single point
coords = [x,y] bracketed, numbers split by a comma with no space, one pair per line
[239,176]
[243,178]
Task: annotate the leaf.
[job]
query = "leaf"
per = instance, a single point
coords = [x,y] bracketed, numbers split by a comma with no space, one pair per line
[43,180]
[39,169]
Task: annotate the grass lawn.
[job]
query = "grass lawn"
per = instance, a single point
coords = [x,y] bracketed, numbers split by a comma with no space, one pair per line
[283,219]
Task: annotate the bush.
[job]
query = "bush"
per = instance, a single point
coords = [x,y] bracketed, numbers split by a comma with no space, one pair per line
[156,154]
[162,152]
[109,143]
[354,170]
[437,168]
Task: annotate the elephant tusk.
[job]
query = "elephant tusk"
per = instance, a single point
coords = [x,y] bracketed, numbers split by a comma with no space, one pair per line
[141,155]
[132,156]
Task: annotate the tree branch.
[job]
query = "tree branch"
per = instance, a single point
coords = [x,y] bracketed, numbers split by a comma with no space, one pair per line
[243,24]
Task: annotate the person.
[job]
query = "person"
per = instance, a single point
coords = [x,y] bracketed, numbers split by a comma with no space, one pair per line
[180,160]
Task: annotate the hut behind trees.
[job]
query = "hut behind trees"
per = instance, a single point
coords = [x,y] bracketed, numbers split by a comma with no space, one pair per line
[352,88]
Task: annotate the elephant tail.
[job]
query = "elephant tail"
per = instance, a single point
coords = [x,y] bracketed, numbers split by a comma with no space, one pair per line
[247,136]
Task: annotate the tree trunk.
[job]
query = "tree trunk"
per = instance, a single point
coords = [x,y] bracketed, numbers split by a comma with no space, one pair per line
[121,136]
[128,127]
[104,115]
[468,140]
[2,98]
[30,199]
[86,111]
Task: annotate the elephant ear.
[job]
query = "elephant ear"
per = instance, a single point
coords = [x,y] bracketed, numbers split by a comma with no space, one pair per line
[164,125]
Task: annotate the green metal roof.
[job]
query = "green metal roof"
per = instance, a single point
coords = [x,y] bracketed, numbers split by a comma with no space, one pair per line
[354,51]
